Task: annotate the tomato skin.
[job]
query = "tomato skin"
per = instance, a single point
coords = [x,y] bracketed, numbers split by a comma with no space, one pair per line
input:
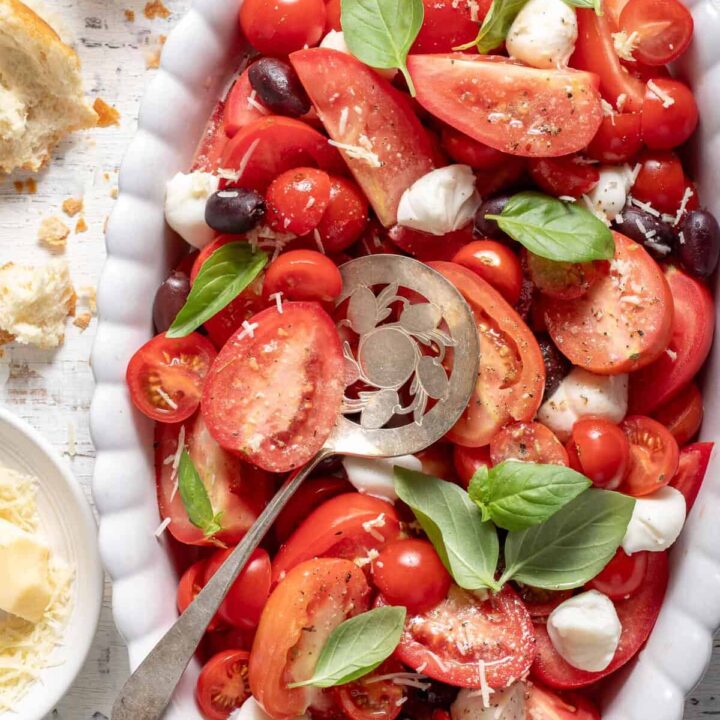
[212,143]
[637,617]
[297,200]
[494,262]
[506,389]
[346,216]
[560,176]
[468,460]
[279,27]
[192,581]
[693,463]
[661,181]
[304,275]
[427,247]
[238,111]
[410,573]
[622,576]
[332,12]
[335,528]
[664,128]
[563,280]
[468,151]
[543,704]
[447,24]
[319,593]
[527,442]
[368,699]
[618,139]
[222,685]
[602,450]
[683,415]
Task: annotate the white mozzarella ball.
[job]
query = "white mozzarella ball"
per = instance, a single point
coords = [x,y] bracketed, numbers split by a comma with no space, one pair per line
[375,476]
[656,521]
[608,197]
[505,704]
[335,40]
[186,195]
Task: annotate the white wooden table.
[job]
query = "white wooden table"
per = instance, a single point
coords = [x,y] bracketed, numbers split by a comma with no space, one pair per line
[52,390]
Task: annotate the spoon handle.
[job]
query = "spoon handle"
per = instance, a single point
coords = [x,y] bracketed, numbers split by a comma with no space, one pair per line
[148,690]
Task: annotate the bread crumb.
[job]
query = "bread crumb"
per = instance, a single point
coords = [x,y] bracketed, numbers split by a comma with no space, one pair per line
[89,296]
[156,9]
[114,193]
[152,58]
[29,186]
[129,15]
[81,226]
[19,186]
[107,114]
[72,206]
[53,233]
[82,320]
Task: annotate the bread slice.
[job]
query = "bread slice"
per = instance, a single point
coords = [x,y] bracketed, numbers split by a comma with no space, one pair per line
[41,94]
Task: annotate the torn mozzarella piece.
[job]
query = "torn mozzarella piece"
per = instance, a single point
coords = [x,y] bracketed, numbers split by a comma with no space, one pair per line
[335,40]
[375,476]
[185,199]
[656,521]
[608,197]
[505,704]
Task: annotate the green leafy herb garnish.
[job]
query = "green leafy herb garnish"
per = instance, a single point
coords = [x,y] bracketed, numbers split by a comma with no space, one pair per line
[195,497]
[595,5]
[495,26]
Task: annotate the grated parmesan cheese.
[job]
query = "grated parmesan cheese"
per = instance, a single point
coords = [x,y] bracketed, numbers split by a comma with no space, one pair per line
[655,89]
[278,301]
[356,152]
[342,123]
[370,525]
[318,241]
[687,196]
[246,158]
[625,44]
[162,527]
[253,103]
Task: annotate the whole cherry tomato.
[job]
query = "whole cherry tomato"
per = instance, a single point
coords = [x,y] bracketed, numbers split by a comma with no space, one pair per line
[468,460]
[345,218]
[661,181]
[668,123]
[303,275]
[618,140]
[493,262]
[566,175]
[297,200]
[601,451]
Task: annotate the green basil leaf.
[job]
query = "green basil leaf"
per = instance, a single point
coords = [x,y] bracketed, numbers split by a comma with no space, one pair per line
[195,498]
[556,230]
[496,25]
[518,495]
[595,5]
[357,646]
[573,546]
[467,546]
[381,32]
[477,489]
[223,276]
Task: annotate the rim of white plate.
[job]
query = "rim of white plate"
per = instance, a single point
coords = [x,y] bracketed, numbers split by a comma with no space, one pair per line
[196,60]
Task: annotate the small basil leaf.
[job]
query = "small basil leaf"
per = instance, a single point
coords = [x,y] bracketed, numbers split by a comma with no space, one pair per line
[495,26]
[477,487]
[223,276]
[573,546]
[195,498]
[467,546]
[357,646]
[556,230]
[381,32]
[595,5]
[518,495]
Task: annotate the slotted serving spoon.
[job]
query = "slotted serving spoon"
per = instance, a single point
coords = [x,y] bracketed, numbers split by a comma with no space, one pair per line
[409,321]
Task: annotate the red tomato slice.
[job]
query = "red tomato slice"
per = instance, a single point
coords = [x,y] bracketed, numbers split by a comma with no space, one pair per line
[371,699]
[637,616]
[222,685]
[318,594]
[213,141]
[426,247]
[623,323]
[543,704]
[346,526]
[359,109]
[449,23]
[272,145]
[683,415]
[236,490]
[527,442]
[692,334]
[512,373]
[622,576]
[508,106]
[274,397]
[456,634]
[693,463]
[165,376]
[239,109]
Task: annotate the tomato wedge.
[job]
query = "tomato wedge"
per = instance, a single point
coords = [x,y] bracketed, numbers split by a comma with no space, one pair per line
[370,698]
[381,138]
[694,460]
[236,490]
[543,704]
[683,415]
[692,334]
[637,616]
[623,322]
[239,110]
[317,594]
[274,397]
[462,630]
[508,106]
[512,373]
[527,442]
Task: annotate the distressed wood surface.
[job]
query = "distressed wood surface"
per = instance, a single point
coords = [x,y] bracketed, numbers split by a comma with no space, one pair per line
[52,390]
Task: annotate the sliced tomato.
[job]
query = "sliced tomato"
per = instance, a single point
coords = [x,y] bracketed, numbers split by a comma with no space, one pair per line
[240,110]
[543,704]
[622,576]
[693,463]
[275,396]
[512,373]
[508,106]
[449,23]
[623,323]
[452,638]
[222,685]
[272,145]
[527,442]
[683,415]
[346,526]
[236,490]
[318,594]
[371,698]
[637,617]
[426,247]
[362,110]
[212,143]
[692,334]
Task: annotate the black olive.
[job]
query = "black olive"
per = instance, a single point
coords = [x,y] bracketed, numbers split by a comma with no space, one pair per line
[556,365]
[234,210]
[489,228]
[638,225]
[278,87]
[169,298]
[699,243]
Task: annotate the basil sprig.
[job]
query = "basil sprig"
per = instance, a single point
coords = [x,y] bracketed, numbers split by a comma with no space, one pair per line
[381,32]
[195,497]
[223,276]
[495,26]
[517,495]
[595,5]
[357,646]
[556,230]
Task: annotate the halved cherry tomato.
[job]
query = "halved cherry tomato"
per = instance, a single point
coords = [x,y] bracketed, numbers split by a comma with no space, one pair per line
[618,139]
[426,247]
[602,451]
[662,29]
[452,637]
[345,526]
[370,698]
[637,617]
[317,594]
[693,463]
[303,275]
[346,216]
[165,376]
[392,149]
[237,491]
[512,373]
[297,200]
[192,581]
[468,460]
[563,280]
[539,602]
[222,685]
[543,704]
[683,415]
[447,24]
[494,262]
[692,334]
[622,576]
[468,151]
[275,396]
[603,331]
[665,127]
[654,455]
[564,175]
[513,108]
[239,110]
[527,442]
[661,181]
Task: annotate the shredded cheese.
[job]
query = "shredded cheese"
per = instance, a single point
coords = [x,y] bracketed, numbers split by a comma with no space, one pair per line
[647,207]
[370,525]
[687,196]
[318,241]
[162,527]
[666,99]
[246,158]
[253,103]
[625,44]
[356,152]
[342,123]
[278,301]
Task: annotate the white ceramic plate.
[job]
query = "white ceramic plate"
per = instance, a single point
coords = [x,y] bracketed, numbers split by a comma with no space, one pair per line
[69,526]
[196,62]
